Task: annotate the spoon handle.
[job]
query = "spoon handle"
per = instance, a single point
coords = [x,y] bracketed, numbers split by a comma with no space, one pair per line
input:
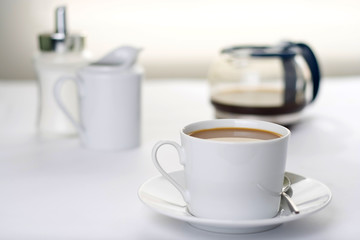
[291,204]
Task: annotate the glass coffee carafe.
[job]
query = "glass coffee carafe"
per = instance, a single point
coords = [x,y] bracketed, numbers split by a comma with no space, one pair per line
[272,83]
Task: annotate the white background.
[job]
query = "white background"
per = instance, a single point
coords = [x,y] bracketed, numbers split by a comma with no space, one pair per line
[180,38]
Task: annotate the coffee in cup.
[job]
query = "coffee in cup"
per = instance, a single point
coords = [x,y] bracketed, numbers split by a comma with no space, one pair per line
[233,168]
[235,134]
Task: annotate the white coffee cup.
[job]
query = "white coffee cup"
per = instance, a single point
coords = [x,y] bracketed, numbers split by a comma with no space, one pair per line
[230,180]
[109,99]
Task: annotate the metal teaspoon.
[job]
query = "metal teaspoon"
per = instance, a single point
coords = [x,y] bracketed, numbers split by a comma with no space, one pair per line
[290,202]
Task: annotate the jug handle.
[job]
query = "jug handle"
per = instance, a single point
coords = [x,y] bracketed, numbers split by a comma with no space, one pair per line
[57,95]
[311,61]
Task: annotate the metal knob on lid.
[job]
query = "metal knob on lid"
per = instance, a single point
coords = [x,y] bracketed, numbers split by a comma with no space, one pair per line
[61,41]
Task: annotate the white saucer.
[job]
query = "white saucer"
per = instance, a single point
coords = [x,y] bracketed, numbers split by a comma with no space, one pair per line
[309,195]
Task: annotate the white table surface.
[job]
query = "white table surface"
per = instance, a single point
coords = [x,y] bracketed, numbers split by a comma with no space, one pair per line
[54,189]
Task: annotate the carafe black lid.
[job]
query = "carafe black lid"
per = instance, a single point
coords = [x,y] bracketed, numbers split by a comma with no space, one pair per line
[282,50]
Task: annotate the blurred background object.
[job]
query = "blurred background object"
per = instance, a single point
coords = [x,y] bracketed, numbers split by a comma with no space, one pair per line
[109,93]
[60,54]
[180,38]
[271,83]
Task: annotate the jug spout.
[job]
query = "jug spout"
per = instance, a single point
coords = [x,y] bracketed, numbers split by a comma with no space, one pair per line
[124,57]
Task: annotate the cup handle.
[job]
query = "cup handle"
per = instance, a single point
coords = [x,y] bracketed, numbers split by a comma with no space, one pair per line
[57,90]
[185,193]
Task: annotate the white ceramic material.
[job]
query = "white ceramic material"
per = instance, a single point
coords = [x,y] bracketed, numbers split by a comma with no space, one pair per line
[309,195]
[49,67]
[125,57]
[109,99]
[230,180]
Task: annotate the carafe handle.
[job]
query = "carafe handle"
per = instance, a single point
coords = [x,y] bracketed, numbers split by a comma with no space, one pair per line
[311,61]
